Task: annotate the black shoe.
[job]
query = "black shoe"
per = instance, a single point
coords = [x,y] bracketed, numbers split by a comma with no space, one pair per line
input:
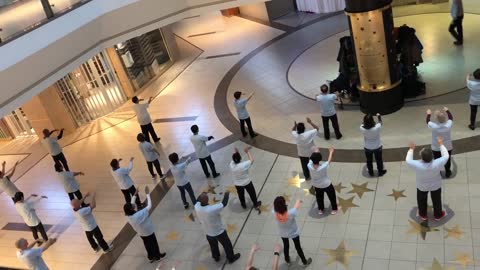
[217,259]
[339,137]
[162,255]
[458,43]
[154,260]
[382,173]
[216,175]
[207,175]
[157,140]
[308,262]
[472,127]
[370,173]
[186,205]
[327,138]
[245,134]
[244,206]
[448,174]
[235,257]
[259,203]
[254,135]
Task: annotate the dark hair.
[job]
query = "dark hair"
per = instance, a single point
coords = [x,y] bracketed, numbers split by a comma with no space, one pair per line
[18,197]
[300,128]
[194,128]
[253,268]
[316,157]
[140,137]
[135,99]
[476,74]
[324,88]
[58,167]
[368,121]
[128,209]
[236,157]
[173,157]
[114,163]
[237,94]
[427,155]
[279,205]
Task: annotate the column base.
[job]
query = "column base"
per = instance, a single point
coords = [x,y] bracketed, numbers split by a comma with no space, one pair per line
[385,102]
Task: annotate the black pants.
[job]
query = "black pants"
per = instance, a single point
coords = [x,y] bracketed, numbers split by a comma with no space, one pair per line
[330,190]
[251,192]
[456,28]
[76,194]
[39,229]
[96,234]
[128,193]
[148,129]
[203,162]
[378,158]
[438,154]
[189,189]
[298,247]
[60,158]
[249,125]
[306,172]
[473,114]
[326,128]
[422,198]
[151,245]
[155,163]
[226,243]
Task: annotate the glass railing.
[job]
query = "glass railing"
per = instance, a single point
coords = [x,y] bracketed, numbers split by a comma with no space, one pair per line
[18,17]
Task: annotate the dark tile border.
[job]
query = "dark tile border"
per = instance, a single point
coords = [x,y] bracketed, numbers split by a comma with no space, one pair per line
[22,227]
[175,119]
[202,34]
[222,55]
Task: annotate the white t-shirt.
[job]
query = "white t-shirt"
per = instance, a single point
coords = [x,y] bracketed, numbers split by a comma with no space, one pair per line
[327,104]
[143,117]
[240,173]
[69,182]
[7,186]
[32,258]
[200,144]
[240,106]
[443,130]
[319,175]
[27,212]
[178,172]
[122,176]
[210,218]
[288,229]
[474,87]
[428,174]
[371,137]
[305,142]
[52,145]
[140,221]
[148,152]
[85,216]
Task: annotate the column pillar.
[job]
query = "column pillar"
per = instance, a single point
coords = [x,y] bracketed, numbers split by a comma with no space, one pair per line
[371,28]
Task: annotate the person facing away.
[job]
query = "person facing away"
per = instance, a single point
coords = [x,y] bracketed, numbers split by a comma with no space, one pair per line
[427,171]
[70,184]
[84,216]
[212,224]
[328,112]
[473,84]
[30,256]
[288,229]
[6,183]
[121,175]
[305,143]
[241,178]
[179,166]
[456,27]
[53,147]
[144,119]
[321,182]
[142,224]
[372,143]
[151,154]
[26,210]
[242,113]
[200,145]
[442,127]
[276,254]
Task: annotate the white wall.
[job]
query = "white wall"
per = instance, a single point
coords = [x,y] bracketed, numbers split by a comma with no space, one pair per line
[257,10]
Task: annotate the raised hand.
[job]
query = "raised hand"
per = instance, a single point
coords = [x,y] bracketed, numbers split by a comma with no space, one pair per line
[440,140]
[411,145]
[429,111]
[147,190]
[247,149]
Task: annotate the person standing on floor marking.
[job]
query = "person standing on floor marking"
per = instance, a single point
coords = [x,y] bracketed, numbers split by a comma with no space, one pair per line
[212,224]
[442,128]
[6,183]
[142,224]
[29,215]
[53,147]
[456,27]
[243,116]
[124,181]
[427,172]
[372,143]
[473,84]
[241,177]
[144,118]
[70,184]
[305,143]
[328,112]
[84,216]
[200,145]
[321,182]
[30,256]
[179,165]
[151,155]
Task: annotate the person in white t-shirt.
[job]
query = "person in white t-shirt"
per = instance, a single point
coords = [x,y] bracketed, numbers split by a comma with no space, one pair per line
[305,143]
[179,165]
[241,178]
[321,182]
[53,147]
[141,223]
[84,216]
[70,184]
[443,128]
[25,208]
[201,150]
[144,118]
[328,112]
[6,183]
[30,256]
[121,175]
[242,113]
[473,84]
[151,155]
[372,143]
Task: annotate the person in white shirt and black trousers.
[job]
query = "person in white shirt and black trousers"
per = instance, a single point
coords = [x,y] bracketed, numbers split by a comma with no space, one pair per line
[151,155]
[69,182]
[473,84]
[6,183]
[200,145]
[53,147]
[305,143]
[321,182]
[328,112]
[144,118]
[181,180]
[241,177]
[29,215]
[30,256]
[428,179]
[141,223]
[372,144]
[124,181]
[441,128]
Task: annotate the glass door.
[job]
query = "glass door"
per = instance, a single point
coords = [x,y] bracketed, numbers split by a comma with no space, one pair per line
[18,123]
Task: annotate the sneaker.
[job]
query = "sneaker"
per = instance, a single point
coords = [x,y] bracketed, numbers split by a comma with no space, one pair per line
[448,174]
[334,212]
[216,175]
[163,176]
[186,205]
[97,249]
[458,43]
[320,212]
[423,218]
[308,262]
[382,173]
[154,260]
[154,177]
[259,203]
[235,257]
[244,206]
[444,214]
[472,127]
[110,248]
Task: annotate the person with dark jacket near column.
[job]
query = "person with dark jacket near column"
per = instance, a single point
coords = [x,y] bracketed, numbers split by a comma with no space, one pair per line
[372,143]
[328,112]
[305,143]
[144,118]
[26,210]
[473,84]
[442,128]
[151,155]
[456,27]
[243,116]
[124,181]
[212,224]
[241,178]
[321,182]
[53,147]
[200,145]
[142,224]
[6,183]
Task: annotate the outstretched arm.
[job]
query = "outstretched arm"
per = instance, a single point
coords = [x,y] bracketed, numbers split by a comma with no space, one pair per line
[379,117]
[225,198]
[312,124]
[46,245]
[251,256]
[150,100]
[93,203]
[13,170]
[429,115]
[249,96]
[149,200]
[78,173]
[449,114]
[60,135]
[247,151]
[294,126]
[330,153]
[298,203]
